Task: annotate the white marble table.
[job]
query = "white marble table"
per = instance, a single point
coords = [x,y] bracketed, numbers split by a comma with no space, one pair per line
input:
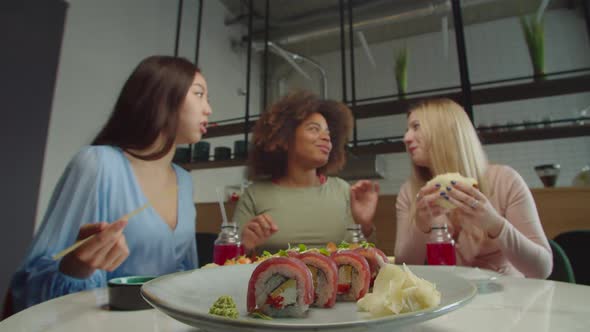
[504,304]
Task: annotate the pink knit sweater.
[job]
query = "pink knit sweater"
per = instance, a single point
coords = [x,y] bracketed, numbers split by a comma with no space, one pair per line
[521,248]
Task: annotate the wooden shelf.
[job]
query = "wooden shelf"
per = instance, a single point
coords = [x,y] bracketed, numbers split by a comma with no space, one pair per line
[496,137]
[484,95]
[558,190]
[213,164]
[534,134]
[530,90]
[226,130]
[480,96]
[378,148]
[395,106]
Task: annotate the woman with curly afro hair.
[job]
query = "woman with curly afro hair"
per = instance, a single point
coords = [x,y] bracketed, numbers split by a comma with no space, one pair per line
[297,142]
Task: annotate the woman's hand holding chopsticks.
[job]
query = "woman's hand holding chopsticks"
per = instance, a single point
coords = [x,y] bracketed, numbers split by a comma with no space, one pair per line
[105,249]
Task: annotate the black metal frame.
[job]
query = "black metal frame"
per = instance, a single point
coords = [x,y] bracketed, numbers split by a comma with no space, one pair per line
[462,57]
[408,94]
[352,71]
[178,24]
[248,71]
[265,61]
[463,92]
[343,53]
[586,9]
[198,38]
[497,130]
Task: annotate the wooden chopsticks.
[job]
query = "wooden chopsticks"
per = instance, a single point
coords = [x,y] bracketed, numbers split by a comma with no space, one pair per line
[81,242]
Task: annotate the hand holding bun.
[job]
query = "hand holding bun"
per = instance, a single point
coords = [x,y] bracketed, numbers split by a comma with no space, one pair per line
[445,182]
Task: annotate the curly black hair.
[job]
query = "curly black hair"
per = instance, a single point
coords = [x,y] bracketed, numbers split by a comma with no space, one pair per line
[275,130]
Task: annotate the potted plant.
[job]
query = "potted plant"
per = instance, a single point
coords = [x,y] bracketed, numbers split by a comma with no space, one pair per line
[401,72]
[532,28]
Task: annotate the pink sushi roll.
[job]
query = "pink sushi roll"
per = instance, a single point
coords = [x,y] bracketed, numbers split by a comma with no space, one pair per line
[375,258]
[280,287]
[325,277]
[354,275]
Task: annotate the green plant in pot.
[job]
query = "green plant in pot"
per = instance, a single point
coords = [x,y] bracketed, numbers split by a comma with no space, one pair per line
[401,72]
[532,28]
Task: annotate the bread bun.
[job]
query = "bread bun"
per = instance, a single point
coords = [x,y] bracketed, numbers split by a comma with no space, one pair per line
[445,181]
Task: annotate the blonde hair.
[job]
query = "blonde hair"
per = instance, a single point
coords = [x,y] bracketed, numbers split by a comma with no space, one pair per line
[451,144]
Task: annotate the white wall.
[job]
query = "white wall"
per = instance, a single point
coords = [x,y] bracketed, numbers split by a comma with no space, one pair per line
[103,42]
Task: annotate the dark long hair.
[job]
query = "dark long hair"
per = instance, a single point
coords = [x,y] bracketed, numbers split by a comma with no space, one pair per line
[148,106]
[275,130]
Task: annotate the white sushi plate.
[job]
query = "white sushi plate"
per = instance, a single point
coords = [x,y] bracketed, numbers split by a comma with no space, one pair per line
[187,297]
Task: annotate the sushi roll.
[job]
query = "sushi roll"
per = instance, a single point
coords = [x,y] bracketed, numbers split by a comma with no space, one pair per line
[354,275]
[280,287]
[375,257]
[324,273]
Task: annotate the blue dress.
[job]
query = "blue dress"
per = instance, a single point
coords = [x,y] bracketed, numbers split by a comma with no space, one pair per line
[99,185]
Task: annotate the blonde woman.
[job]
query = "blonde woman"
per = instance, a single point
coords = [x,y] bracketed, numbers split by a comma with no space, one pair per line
[495,225]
